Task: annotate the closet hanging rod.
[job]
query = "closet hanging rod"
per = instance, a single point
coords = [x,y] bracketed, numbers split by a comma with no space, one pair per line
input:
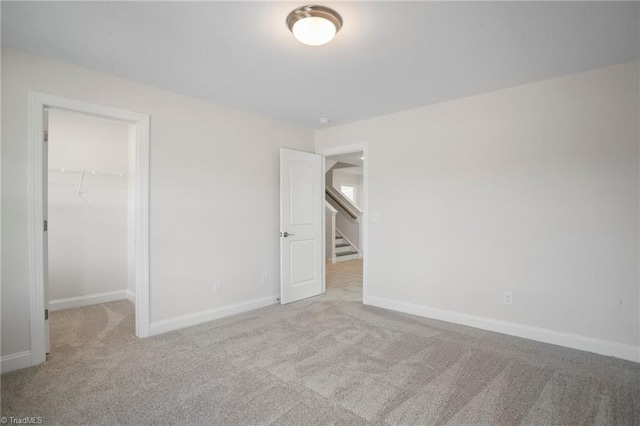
[85,171]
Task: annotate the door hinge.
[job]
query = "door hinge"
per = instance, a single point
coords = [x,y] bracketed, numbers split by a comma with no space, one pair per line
[45,226]
[46,136]
[46,314]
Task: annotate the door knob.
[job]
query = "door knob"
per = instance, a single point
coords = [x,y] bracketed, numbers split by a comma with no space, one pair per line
[286,234]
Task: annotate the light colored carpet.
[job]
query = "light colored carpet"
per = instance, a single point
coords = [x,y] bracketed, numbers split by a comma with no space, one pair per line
[325,360]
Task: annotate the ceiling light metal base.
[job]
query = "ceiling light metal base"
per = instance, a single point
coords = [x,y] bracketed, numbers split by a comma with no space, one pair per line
[314,11]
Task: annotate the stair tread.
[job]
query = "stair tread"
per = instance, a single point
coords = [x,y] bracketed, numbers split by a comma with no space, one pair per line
[343,245]
[346,253]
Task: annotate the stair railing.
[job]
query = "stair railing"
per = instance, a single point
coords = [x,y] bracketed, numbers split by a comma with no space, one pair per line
[345,204]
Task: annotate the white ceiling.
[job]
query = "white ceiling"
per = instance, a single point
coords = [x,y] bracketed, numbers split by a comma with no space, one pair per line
[352,158]
[389,56]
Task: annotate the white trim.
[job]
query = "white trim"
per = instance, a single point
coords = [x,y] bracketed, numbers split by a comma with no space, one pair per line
[364,250]
[35,220]
[343,149]
[163,326]
[574,341]
[141,227]
[37,103]
[131,296]
[89,299]
[15,361]
[332,235]
[323,219]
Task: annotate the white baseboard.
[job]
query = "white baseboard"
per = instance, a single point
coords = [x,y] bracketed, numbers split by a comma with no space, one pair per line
[163,326]
[89,299]
[574,341]
[131,296]
[15,361]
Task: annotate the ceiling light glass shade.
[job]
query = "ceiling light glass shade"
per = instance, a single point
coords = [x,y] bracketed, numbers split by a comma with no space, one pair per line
[313,31]
[314,25]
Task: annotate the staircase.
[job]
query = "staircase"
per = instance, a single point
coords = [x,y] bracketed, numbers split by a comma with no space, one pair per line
[344,250]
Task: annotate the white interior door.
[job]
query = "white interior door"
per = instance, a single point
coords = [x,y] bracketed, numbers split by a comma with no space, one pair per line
[301,254]
[45,216]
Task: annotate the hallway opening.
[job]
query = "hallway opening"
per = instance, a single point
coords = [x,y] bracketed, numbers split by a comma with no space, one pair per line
[344,224]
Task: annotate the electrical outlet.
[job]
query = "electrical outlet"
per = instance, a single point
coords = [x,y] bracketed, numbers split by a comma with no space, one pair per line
[217,287]
[507,298]
[265,278]
[376,217]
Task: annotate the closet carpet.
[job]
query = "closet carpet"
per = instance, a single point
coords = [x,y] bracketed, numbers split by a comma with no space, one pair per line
[324,360]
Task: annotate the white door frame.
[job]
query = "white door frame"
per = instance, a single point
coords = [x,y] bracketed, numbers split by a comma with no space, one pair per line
[37,103]
[346,149]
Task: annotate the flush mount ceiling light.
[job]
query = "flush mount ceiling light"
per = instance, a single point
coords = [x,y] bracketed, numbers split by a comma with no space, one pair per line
[314,25]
